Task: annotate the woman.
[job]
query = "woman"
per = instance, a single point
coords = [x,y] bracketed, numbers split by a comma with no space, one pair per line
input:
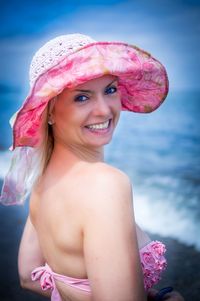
[81,241]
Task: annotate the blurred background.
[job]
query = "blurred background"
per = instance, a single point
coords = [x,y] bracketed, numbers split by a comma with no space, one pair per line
[159,151]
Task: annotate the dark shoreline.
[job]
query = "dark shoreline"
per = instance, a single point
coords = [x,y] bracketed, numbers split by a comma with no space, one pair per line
[183,271]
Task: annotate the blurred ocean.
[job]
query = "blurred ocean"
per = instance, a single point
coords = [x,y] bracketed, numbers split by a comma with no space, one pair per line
[161,154]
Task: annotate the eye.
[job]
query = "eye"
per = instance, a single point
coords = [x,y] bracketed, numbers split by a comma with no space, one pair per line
[80,98]
[111,90]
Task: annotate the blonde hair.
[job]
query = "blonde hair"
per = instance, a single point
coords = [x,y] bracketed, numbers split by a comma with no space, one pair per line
[47,146]
[48,139]
[45,149]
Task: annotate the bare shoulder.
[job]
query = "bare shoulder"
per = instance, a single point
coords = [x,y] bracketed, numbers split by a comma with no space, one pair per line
[104,174]
[109,188]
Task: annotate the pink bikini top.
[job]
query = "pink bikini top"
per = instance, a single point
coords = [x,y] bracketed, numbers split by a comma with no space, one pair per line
[152,260]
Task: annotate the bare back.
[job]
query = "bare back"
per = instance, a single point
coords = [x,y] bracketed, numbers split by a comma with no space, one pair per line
[57,212]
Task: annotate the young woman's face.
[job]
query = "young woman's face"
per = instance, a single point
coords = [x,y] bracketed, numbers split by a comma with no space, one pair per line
[88,114]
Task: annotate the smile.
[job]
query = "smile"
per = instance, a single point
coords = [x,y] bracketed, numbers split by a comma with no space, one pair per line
[99,126]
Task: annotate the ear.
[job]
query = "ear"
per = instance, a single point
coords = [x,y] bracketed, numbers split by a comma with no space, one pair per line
[51,104]
[50,110]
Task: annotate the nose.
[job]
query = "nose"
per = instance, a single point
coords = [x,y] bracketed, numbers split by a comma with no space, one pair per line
[101,106]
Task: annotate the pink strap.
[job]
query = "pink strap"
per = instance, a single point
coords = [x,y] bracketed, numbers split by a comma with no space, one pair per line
[47,281]
[152,260]
[45,275]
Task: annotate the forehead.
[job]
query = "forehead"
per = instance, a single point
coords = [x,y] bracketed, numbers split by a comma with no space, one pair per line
[91,85]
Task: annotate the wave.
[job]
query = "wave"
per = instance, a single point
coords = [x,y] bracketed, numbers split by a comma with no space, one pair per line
[160,217]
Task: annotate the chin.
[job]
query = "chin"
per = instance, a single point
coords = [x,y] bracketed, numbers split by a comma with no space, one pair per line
[100,143]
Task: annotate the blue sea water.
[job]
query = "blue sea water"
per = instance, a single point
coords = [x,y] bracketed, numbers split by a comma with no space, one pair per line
[161,154]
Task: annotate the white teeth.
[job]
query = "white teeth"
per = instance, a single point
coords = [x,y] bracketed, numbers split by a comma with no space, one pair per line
[99,126]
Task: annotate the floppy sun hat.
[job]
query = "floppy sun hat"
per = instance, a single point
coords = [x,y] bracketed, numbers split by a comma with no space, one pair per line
[65,62]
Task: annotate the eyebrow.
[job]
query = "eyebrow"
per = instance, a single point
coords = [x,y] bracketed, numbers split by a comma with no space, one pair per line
[89,91]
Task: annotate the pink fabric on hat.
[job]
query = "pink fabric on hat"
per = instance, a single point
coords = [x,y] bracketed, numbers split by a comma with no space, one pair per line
[17,182]
[142,81]
[152,260]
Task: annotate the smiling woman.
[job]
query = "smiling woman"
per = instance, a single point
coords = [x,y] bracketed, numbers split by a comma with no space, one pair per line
[85,117]
[80,240]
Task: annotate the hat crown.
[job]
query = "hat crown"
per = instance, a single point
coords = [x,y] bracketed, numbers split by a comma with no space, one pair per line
[51,53]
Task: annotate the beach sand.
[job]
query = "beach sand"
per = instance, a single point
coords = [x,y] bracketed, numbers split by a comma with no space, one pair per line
[183,272]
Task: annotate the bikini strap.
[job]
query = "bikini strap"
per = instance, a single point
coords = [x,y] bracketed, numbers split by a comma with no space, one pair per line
[45,276]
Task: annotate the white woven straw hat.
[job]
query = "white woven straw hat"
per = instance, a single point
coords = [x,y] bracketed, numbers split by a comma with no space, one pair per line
[53,51]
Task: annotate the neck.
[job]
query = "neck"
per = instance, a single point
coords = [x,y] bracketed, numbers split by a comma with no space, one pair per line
[72,154]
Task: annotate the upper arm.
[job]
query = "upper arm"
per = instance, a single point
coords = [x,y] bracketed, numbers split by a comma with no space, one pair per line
[110,244]
[30,255]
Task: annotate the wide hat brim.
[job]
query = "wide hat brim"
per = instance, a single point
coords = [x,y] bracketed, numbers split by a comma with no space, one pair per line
[143,84]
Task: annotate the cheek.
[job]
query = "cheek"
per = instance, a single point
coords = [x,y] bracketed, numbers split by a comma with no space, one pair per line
[62,112]
[117,110]
[118,105]
[69,119]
